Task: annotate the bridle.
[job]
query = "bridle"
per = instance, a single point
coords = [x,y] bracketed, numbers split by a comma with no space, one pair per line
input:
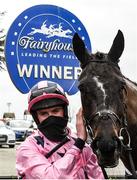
[126,147]
[108,113]
[99,61]
[104,115]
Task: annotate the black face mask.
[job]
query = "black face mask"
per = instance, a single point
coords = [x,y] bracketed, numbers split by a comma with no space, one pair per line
[54,128]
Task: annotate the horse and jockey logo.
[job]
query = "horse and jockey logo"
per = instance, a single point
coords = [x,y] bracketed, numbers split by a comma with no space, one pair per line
[39,47]
[52,30]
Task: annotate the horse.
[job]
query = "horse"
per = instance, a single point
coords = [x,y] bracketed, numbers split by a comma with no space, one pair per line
[109,101]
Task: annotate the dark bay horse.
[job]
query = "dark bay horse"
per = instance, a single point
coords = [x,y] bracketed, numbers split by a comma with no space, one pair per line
[109,101]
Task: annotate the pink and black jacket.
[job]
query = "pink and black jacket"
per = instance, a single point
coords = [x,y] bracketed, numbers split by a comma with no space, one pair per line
[70,161]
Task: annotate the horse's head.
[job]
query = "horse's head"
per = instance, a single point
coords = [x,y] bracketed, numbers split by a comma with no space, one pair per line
[102,91]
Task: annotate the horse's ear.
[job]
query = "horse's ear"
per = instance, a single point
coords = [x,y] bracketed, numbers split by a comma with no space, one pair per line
[80,50]
[117,47]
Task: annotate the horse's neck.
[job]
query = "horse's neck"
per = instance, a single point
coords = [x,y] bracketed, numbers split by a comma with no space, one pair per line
[131,101]
[131,89]
[131,112]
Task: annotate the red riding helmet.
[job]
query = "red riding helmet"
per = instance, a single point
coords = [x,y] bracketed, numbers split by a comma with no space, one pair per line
[46,94]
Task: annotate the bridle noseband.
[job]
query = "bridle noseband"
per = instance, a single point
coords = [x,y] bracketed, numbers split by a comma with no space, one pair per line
[103,115]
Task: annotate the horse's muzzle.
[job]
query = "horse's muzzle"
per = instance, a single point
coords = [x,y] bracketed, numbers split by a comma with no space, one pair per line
[107,151]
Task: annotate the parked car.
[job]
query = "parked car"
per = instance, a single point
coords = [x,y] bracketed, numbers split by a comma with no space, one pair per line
[22,128]
[7,136]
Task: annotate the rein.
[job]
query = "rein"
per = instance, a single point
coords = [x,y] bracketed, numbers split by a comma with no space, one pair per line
[127,147]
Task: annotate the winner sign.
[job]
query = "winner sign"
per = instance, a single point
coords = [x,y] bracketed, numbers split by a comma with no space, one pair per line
[39,47]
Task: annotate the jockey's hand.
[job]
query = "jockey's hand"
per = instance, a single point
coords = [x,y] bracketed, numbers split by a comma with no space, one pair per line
[80,127]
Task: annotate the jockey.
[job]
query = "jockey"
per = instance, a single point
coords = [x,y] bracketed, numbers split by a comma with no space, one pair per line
[53,151]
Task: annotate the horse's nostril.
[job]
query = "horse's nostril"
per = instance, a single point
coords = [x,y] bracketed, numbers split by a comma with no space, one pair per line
[107,146]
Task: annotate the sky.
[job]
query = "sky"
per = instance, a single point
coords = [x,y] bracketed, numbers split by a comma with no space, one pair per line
[102,19]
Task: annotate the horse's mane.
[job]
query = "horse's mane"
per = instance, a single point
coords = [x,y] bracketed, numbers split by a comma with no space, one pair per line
[130,81]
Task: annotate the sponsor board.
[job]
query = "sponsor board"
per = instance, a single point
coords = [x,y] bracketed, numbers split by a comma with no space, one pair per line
[39,47]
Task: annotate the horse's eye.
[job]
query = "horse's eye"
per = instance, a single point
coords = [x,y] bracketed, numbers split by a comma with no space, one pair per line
[82,88]
[85,89]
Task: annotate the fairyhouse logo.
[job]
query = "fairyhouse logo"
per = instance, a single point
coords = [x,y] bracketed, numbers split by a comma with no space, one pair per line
[39,47]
